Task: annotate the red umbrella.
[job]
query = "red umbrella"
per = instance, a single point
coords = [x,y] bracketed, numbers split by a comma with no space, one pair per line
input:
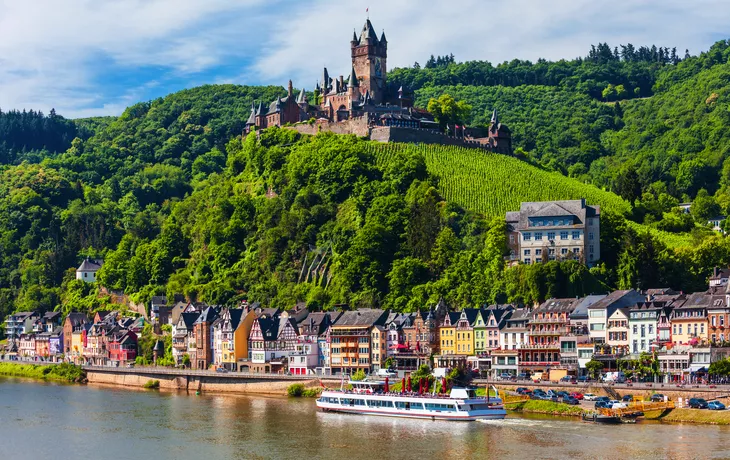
[420,386]
[443,385]
[403,385]
[409,384]
[386,385]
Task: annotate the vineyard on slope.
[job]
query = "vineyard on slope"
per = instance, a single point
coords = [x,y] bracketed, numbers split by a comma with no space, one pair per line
[492,184]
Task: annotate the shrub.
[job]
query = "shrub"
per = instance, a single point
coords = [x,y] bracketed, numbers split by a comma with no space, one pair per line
[296,390]
[152,384]
[358,375]
[312,392]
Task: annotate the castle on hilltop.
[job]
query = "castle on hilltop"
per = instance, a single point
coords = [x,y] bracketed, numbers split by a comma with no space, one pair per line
[362,105]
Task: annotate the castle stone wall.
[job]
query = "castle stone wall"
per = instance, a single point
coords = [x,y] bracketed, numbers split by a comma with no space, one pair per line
[358,126]
[415,136]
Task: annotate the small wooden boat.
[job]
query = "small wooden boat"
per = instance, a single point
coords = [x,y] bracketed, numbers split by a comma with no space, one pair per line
[595,417]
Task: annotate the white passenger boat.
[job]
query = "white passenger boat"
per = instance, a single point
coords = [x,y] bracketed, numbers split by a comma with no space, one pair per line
[368,397]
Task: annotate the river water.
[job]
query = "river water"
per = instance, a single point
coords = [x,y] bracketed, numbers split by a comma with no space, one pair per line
[45,420]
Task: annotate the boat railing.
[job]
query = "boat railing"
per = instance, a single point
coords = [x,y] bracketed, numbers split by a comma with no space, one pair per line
[409,395]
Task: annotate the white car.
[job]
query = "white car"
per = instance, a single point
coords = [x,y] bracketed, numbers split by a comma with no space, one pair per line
[618,405]
[590,397]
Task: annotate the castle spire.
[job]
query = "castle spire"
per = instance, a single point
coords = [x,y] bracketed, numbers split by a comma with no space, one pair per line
[368,33]
[353,83]
[382,37]
[302,99]
[495,119]
[290,89]
[354,35]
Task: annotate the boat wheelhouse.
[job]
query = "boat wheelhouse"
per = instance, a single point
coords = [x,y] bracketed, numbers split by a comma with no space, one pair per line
[373,397]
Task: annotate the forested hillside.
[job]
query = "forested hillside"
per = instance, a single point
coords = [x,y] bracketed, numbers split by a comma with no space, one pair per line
[175,201]
[642,114]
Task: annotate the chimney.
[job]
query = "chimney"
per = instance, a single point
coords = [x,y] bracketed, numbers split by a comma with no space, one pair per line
[291,89]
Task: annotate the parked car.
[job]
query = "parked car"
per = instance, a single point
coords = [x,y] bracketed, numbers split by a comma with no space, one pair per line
[130,365]
[522,390]
[576,395]
[602,398]
[697,403]
[568,379]
[715,405]
[627,398]
[222,370]
[656,397]
[600,405]
[505,376]
[571,400]
[618,405]
[584,379]
[562,394]
[551,393]
[522,376]
[589,397]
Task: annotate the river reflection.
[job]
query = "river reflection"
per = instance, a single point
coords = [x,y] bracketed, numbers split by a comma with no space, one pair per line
[59,421]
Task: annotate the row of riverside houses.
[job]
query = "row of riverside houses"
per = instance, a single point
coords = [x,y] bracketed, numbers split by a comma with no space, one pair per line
[106,339]
[559,334]
[686,332]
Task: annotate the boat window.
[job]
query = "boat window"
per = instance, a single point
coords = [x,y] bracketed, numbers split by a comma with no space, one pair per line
[377,403]
[404,405]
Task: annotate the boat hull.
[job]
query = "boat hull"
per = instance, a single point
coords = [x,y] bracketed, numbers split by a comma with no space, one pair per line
[459,418]
[496,413]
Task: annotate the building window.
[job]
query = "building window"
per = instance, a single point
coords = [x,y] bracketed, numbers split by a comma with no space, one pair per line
[590,250]
[551,252]
[527,260]
[527,252]
[563,235]
[590,236]
[551,236]
[651,329]
[526,236]
[538,252]
[512,239]
[576,250]
[636,329]
[576,235]
[636,346]
[713,321]
[722,320]
[538,236]
[563,251]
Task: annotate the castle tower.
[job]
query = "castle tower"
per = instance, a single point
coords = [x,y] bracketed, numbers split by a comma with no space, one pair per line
[500,137]
[369,57]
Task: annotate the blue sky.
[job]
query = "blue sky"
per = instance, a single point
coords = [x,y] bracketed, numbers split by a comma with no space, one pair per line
[96,57]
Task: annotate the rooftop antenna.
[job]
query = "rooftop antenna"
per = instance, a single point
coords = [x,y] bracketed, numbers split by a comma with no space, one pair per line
[367,12]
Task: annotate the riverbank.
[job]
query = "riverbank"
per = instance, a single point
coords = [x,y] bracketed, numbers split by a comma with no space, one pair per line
[544,407]
[51,372]
[695,416]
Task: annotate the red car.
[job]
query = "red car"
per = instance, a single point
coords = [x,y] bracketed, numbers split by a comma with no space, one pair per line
[578,396]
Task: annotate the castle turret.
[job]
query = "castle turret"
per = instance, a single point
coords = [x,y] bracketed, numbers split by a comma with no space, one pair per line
[500,136]
[290,89]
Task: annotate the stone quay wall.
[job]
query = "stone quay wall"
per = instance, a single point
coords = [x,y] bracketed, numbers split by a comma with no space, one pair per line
[203,381]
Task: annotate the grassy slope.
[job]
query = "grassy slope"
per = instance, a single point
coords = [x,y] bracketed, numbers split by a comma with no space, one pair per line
[492,184]
[57,372]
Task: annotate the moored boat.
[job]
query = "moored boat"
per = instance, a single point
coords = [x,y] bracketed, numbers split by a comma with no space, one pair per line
[373,398]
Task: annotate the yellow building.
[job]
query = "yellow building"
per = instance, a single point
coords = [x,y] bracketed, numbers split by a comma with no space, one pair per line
[233,330]
[465,332]
[77,345]
[689,322]
[447,334]
[378,347]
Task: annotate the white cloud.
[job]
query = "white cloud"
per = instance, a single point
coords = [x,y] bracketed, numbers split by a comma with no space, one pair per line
[61,53]
[52,53]
[493,30]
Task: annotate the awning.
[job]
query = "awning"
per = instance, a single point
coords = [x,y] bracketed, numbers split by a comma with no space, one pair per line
[695,368]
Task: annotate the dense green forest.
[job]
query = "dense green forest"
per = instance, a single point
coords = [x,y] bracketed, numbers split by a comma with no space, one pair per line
[176,201]
[623,112]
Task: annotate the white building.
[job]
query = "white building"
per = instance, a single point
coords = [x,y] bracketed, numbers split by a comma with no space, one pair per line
[87,270]
[599,312]
[554,230]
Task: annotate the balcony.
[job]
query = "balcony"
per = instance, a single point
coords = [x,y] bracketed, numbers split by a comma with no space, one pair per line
[540,346]
[539,363]
[549,321]
[558,331]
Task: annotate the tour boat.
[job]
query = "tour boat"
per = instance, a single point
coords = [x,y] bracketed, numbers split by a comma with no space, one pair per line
[373,398]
